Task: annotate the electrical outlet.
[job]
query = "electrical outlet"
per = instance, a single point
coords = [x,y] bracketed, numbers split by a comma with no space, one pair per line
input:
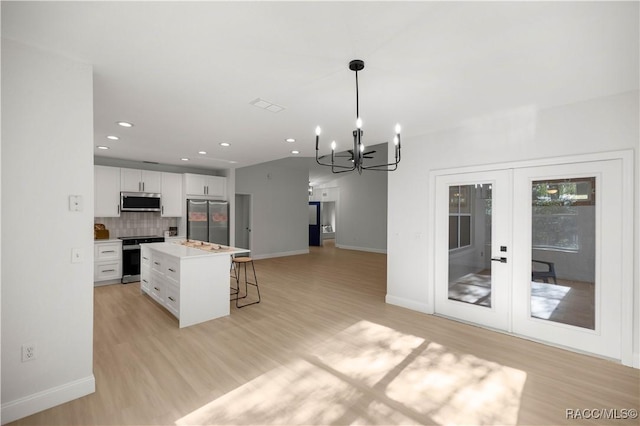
[28,352]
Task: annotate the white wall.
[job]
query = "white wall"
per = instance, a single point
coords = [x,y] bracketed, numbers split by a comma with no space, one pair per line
[603,124]
[279,210]
[47,141]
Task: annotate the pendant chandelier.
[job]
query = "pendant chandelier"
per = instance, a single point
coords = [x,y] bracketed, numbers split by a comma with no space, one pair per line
[357,154]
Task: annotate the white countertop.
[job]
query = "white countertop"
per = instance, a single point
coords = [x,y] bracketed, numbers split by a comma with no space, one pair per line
[183,252]
[110,240]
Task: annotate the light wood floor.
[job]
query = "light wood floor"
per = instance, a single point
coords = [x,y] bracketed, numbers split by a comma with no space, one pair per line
[324,348]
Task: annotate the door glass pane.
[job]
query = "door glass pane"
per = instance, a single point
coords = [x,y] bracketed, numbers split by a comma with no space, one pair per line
[470,244]
[313,214]
[563,251]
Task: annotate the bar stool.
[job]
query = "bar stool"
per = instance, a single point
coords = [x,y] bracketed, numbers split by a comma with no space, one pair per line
[236,266]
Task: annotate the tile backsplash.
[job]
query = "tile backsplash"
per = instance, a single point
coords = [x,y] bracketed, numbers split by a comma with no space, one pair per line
[131,224]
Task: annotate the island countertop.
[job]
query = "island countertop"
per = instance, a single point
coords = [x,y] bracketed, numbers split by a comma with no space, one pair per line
[178,250]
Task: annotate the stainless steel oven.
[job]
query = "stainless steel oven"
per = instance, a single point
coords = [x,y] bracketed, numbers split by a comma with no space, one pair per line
[131,256]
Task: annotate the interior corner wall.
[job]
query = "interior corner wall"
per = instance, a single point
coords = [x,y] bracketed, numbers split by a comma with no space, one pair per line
[47,301]
[362,212]
[279,210]
[598,125]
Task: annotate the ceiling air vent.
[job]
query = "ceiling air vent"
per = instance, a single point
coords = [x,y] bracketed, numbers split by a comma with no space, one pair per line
[269,106]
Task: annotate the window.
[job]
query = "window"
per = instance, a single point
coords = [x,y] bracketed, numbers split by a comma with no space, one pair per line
[557,208]
[460,216]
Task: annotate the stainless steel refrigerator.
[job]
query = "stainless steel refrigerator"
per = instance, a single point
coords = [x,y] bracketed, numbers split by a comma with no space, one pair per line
[208,221]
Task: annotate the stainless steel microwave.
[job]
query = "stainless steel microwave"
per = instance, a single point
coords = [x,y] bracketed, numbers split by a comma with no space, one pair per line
[140,202]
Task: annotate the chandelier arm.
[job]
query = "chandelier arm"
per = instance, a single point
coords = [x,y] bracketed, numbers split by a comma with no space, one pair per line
[379,168]
[342,171]
[338,166]
[322,164]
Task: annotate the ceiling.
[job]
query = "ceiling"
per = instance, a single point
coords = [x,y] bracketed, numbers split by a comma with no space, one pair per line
[186,73]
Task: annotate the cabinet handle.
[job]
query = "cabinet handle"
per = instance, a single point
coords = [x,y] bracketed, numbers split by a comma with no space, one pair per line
[118,209]
[145,258]
[145,281]
[108,251]
[172,270]
[162,210]
[108,270]
[171,298]
[156,263]
[157,289]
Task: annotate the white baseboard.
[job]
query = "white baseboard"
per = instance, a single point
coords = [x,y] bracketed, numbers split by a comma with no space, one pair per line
[280,254]
[31,404]
[371,250]
[407,303]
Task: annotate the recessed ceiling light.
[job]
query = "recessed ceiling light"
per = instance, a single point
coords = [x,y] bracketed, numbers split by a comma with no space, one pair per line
[202,152]
[290,140]
[102,147]
[295,152]
[124,124]
[225,144]
[113,138]
[184,159]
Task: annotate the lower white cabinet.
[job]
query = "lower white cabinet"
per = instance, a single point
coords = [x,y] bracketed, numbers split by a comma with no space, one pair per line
[107,262]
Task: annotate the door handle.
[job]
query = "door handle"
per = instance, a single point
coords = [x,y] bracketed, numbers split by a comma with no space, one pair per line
[499,259]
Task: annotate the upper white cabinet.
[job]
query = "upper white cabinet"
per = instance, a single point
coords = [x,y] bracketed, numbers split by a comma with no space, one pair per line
[133,180]
[205,186]
[172,202]
[106,188]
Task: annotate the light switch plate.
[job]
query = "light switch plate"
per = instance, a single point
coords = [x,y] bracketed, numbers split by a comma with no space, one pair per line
[75,203]
[77,255]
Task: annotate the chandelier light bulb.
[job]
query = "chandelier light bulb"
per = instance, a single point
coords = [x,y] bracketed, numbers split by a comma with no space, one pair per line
[318,131]
[398,129]
[361,147]
[359,123]
[395,140]
[333,145]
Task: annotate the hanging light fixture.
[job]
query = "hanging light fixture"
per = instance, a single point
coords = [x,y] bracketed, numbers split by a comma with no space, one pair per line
[358,155]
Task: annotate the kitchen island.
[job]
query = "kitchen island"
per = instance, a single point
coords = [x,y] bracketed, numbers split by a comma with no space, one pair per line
[190,282]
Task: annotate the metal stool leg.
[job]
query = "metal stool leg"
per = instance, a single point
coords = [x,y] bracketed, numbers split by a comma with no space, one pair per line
[246,284]
[234,272]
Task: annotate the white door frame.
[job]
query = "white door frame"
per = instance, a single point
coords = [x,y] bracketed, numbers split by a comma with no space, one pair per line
[626,216]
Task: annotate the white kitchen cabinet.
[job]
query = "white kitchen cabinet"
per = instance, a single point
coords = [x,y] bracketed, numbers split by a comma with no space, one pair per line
[172,202]
[107,262]
[145,269]
[214,187]
[133,180]
[106,187]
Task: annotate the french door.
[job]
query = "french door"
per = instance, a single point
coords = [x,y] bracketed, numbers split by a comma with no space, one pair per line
[534,251]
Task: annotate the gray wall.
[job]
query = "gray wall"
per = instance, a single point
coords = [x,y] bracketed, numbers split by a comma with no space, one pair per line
[279,208]
[361,217]
[362,212]
[47,142]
